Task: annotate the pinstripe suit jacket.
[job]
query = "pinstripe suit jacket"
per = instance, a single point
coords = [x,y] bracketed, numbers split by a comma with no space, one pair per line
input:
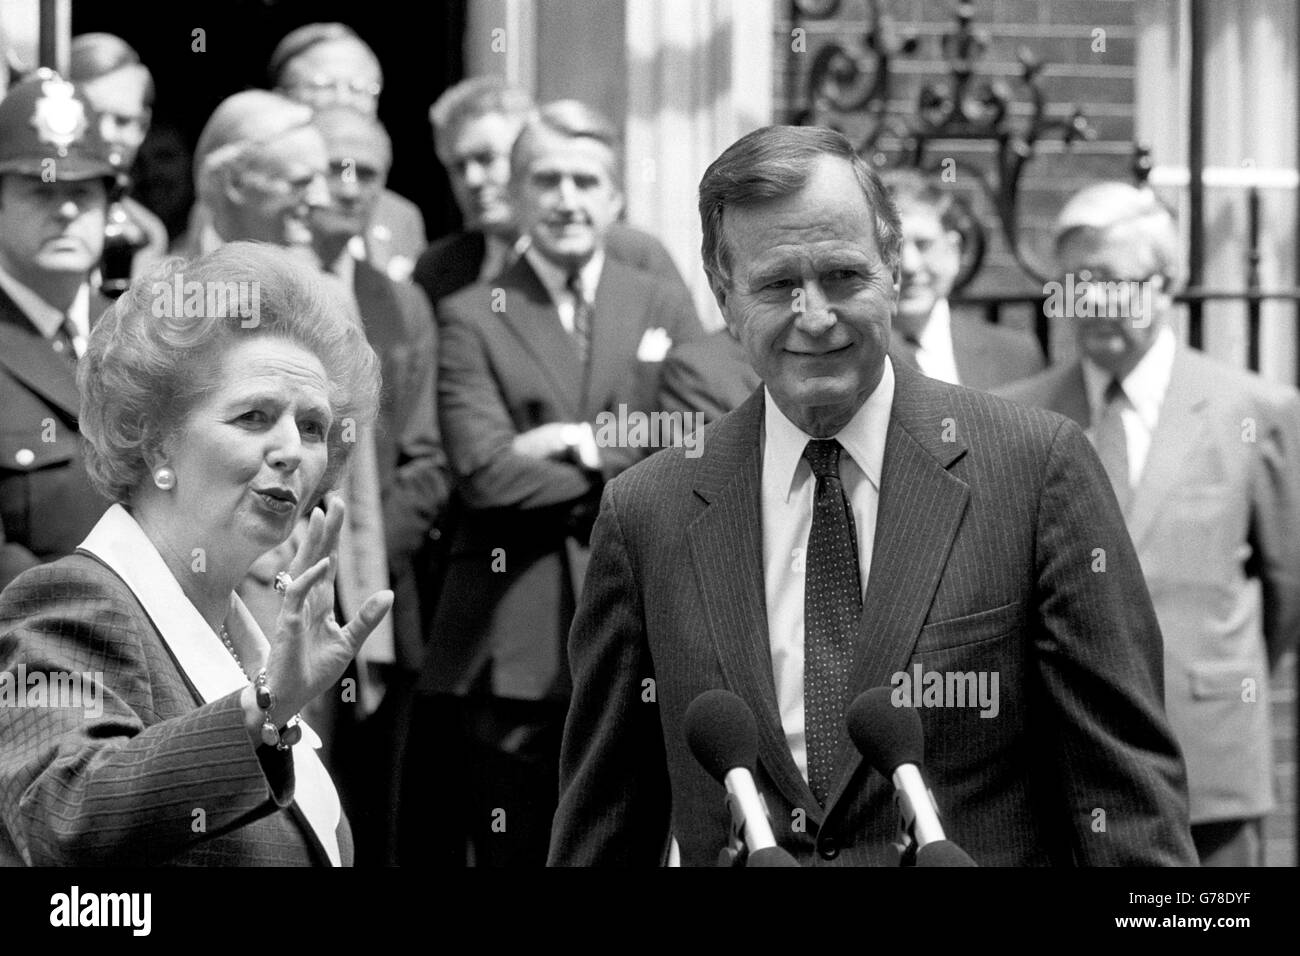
[125,787]
[985,559]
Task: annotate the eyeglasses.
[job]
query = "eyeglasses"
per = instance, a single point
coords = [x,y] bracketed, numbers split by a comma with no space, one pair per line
[352,171]
[320,86]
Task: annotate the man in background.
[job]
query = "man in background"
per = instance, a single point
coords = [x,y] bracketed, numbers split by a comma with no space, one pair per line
[951,345]
[55,177]
[1205,462]
[327,64]
[475,124]
[529,362]
[120,89]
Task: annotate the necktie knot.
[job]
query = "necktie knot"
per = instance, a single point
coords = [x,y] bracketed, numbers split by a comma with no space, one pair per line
[823,454]
[1114,391]
[574,284]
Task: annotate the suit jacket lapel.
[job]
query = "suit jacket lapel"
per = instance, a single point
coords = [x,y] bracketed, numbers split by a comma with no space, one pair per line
[615,334]
[1177,429]
[921,507]
[727,551]
[27,356]
[532,317]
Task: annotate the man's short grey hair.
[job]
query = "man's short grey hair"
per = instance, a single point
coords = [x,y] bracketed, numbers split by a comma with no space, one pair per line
[471,99]
[297,42]
[332,120]
[777,161]
[572,119]
[1101,208]
[912,188]
[237,127]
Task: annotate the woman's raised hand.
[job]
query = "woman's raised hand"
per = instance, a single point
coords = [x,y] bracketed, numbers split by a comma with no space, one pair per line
[309,650]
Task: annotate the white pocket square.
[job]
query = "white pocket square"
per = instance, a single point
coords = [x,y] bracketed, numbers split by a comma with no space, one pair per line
[655,344]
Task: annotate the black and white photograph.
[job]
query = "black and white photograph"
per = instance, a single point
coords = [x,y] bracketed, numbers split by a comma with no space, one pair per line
[637,434]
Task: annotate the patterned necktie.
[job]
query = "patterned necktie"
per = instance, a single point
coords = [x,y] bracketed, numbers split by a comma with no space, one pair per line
[1112,444]
[581,317]
[832,610]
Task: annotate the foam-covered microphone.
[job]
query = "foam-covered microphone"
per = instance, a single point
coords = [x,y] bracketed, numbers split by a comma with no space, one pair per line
[943,853]
[723,736]
[890,738]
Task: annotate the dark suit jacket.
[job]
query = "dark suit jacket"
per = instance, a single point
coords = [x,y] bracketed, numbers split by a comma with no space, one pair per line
[121,789]
[47,504]
[987,355]
[502,373]
[413,471]
[984,550]
[1215,519]
[395,237]
[452,262]
[709,375]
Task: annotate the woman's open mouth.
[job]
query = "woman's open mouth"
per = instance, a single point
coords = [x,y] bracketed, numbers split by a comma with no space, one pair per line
[280,501]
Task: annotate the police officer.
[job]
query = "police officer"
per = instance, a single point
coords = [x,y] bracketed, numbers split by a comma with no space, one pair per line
[56,173]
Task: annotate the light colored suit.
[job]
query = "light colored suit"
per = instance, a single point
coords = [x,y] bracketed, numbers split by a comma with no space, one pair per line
[1215,518]
[982,561]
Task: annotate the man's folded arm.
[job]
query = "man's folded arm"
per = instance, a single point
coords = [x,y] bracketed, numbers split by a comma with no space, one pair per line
[479,433]
[1099,660]
[614,791]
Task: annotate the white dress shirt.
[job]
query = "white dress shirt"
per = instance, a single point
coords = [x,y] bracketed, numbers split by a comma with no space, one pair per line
[934,354]
[555,280]
[788,488]
[1144,389]
[47,319]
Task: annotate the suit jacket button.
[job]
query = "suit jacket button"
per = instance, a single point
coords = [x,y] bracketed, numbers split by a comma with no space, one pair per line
[828,848]
[435,534]
[24,456]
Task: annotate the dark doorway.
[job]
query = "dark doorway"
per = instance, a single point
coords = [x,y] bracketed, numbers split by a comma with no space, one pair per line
[419,47]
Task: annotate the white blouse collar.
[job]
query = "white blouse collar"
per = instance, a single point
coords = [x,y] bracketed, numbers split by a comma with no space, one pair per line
[119,541]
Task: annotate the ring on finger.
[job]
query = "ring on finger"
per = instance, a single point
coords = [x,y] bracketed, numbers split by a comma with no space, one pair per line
[282,581]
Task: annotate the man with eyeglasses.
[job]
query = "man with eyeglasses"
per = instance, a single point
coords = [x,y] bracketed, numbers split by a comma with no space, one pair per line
[949,344]
[1203,460]
[411,481]
[327,64]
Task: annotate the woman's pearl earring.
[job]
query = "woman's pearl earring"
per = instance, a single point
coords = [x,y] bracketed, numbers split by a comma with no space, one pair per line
[165,478]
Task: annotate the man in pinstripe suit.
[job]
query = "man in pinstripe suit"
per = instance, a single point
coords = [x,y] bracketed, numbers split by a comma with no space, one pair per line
[853,524]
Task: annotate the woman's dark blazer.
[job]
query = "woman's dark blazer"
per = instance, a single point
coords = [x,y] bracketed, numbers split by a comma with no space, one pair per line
[159,777]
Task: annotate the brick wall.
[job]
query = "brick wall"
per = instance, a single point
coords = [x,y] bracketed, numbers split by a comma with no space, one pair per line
[1062,34]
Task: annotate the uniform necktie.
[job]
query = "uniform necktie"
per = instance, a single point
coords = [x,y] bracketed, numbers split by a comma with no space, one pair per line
[1112,443]
[832,611]
[581,317]
[65,340]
